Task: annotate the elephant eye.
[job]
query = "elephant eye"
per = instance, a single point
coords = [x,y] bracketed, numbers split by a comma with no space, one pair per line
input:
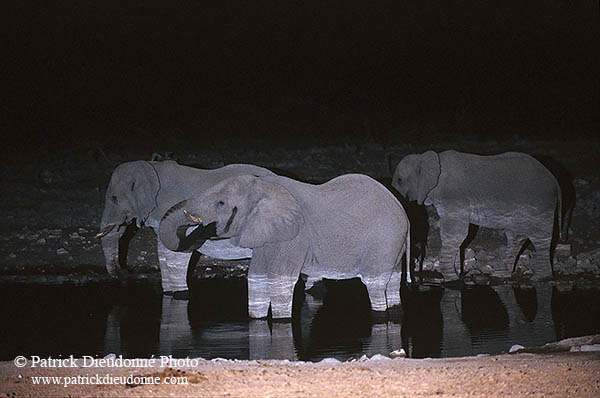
[220,203]
[114,198]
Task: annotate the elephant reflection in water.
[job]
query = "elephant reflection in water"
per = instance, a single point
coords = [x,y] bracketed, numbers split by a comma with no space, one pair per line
[442,322]
[345,321]
[474,313]
[133,322]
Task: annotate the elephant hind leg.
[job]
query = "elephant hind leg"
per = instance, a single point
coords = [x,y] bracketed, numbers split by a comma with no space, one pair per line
[392,291]
[376,287]
[542,265]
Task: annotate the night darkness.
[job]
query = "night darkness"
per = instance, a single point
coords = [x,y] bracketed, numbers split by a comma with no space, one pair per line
[310,90]
[105,74]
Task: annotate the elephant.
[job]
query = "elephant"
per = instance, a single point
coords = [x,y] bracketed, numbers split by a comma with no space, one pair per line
[350,226]
[511,191]
[143,191]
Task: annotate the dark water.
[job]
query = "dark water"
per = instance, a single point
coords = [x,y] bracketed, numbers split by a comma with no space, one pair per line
[135,320]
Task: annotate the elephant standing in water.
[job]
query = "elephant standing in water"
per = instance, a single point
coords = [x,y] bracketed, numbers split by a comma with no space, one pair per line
[143,191]
[511,191]
[348,227]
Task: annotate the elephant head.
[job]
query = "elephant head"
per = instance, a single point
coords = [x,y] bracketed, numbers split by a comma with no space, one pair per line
[131,194]
[250,210]
[417,175]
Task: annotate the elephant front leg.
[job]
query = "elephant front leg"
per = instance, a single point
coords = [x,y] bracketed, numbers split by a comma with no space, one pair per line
[281,289]
[173,269]
[453,232]
[258,286]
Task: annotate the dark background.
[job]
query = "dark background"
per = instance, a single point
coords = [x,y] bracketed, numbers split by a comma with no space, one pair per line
[113,74]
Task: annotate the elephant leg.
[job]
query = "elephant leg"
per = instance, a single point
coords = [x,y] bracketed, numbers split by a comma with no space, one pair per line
[376,287]
[173,268]
[281,290]
[453,232]
[392,291]
[258,287]
[542,266]
[513,246]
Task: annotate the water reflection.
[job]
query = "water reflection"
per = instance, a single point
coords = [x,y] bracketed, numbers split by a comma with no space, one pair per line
[334,320]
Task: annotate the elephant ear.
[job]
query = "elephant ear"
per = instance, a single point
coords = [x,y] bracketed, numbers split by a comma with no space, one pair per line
[275,217]
[428,174]
[144,188]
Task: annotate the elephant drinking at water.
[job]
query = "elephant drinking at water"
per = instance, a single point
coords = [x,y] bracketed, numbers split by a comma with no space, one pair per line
[348,227]
[143,191]
[511,191]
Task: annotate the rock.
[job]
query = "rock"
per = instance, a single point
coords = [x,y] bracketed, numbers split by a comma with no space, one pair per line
[567,266]
[516,348]
[41,241]
[74,235]
[469,254]
[110,356]
[488,269]
[12,256]
[398,353]
[524,259]
[562,251]
[469,264]
[62,251]
[329,360]
[590,347]
[379,357]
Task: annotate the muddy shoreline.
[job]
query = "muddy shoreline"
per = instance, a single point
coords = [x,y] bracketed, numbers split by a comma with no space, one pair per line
[565,369]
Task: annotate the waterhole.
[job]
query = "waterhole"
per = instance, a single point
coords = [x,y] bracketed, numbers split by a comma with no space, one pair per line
[134,319]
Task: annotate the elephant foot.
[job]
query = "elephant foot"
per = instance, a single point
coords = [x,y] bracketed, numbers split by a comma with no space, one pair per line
[118,273]
[393,301]
[281,311]
[181,295]
[541,277]
[449,277]
[258,309]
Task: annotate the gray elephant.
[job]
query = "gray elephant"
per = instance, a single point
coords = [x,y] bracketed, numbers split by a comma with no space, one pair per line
[351,226]
[143,191]
[511,191]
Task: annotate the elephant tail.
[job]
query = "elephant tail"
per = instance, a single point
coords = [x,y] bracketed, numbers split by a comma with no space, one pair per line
[409,265]
[561,233]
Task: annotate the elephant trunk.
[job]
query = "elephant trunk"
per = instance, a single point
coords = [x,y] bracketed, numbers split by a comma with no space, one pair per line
[110,247]
[174,225]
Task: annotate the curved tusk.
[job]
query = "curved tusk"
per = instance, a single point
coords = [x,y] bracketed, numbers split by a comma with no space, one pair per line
[191,217]
[105,232]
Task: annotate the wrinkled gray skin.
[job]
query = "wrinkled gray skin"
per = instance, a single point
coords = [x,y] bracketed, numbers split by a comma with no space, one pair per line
[511,191]
[350,226]
[143,191]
